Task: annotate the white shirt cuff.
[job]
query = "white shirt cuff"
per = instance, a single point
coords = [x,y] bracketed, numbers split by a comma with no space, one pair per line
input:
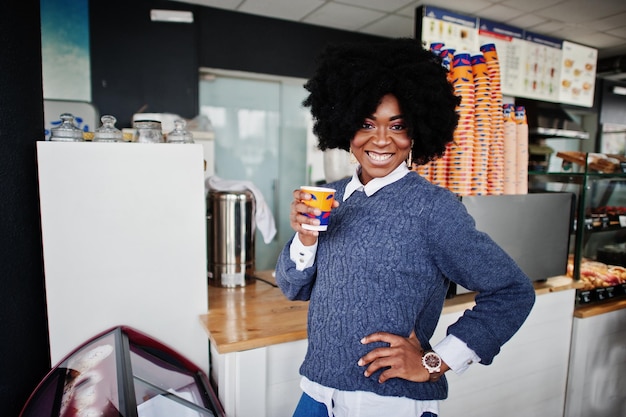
[455,353]
[303,256]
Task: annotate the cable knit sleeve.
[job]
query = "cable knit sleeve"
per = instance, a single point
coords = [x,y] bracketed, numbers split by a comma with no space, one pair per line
[505,295]
[295,284]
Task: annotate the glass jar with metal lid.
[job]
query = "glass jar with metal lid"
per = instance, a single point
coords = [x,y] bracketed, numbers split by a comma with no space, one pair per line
[180,134]
[148,131]
[67,131]
[107,132]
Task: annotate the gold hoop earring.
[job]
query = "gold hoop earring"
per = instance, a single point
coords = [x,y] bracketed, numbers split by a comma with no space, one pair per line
[353,159]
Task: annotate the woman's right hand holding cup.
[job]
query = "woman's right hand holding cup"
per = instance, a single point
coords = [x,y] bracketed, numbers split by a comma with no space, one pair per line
[310,210]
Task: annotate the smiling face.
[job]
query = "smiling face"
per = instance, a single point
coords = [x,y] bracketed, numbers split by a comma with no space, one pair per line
[382,142]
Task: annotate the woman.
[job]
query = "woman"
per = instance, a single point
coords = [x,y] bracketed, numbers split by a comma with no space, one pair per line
[377,278]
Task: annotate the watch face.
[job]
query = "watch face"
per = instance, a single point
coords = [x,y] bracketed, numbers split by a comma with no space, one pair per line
[432,361]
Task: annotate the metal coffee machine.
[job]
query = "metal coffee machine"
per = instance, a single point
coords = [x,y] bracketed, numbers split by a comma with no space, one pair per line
[230,235]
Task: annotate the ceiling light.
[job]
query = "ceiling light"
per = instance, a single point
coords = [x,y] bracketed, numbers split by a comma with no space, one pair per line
[620,91]
[178,16]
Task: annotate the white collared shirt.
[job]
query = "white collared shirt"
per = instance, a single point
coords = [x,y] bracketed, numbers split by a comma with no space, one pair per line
[454,352]
[375,184]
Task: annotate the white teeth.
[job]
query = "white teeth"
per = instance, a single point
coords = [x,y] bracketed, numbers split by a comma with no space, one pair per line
[379,157]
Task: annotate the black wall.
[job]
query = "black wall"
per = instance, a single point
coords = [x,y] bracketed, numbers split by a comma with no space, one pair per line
[142,66]
[612,106]
[137,64]
[24,350]
[246,42]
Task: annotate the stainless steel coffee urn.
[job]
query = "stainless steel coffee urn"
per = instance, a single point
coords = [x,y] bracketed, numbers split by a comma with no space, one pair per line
[230,234]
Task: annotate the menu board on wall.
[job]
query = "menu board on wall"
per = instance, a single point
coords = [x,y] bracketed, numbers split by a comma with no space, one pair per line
[452,29]
[578,74]
[542,67]
[510,45]
[532,66]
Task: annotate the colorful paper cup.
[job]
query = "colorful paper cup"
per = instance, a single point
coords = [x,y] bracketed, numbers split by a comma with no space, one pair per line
[321,198]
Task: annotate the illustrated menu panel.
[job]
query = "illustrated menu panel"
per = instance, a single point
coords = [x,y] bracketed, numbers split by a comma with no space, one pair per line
[511,48]
[452,29]
[578,74]
[542,68]
[532,65]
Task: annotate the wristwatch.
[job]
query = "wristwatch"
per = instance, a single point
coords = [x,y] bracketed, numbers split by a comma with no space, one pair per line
[432,362]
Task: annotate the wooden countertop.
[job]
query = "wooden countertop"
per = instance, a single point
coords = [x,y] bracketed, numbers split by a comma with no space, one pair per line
[253,316]
[583,312]
[259,315]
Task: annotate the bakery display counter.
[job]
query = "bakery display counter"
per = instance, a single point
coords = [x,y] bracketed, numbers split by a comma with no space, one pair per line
[600,282]
[598,255]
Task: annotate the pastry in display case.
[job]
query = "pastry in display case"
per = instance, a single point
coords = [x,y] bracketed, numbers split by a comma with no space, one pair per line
[123,372]
[598,258]
[600,281]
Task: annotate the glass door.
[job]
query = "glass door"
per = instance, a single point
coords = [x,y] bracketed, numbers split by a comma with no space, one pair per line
[260,136]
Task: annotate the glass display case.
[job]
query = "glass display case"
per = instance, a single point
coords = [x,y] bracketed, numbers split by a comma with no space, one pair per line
[598,255]
[123,372]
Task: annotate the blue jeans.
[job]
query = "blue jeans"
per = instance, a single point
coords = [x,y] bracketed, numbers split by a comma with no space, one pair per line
[308,407]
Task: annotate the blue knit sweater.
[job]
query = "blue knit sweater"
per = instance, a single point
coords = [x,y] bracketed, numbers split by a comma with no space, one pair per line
[384,265]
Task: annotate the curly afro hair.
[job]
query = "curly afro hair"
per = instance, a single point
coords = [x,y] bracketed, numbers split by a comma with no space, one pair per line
[351,79]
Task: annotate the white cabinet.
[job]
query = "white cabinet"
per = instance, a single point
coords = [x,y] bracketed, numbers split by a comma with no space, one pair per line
[597,379]
[262,382]
[529,375]
[124,242]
